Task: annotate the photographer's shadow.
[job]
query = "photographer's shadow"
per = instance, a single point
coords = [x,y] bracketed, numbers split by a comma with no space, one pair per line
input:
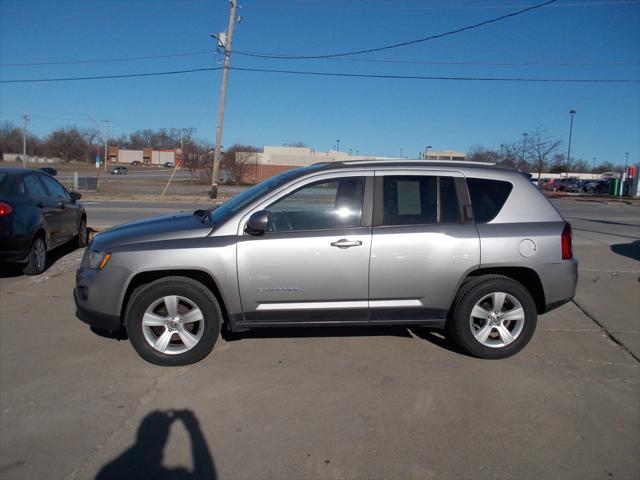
[143,460]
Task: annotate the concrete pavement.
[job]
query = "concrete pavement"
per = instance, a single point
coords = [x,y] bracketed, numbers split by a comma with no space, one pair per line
[329,403]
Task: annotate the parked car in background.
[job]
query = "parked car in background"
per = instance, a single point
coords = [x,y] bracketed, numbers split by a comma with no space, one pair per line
[119,170]
[476,250]
[136,163]
[573,185]
[169,165]
[597,186]
[37,214]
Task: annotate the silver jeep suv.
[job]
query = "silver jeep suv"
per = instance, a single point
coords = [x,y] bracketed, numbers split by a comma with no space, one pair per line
[471,248]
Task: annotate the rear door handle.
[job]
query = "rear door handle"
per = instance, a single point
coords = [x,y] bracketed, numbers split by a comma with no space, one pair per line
[344,243]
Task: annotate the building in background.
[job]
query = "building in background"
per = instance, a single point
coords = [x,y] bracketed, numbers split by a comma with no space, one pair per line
[273,160]
[147,156]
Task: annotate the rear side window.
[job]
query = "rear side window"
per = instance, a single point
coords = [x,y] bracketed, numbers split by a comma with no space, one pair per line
[419,200]
[487,197]
[33,186]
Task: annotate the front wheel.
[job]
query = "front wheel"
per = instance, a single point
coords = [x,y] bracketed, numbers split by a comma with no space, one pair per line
[493,317]
[173,321]
[83,233]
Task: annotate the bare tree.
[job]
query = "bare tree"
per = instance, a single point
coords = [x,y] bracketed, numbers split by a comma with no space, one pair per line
[540,149]
[67,143]
[478,153]
[240,161]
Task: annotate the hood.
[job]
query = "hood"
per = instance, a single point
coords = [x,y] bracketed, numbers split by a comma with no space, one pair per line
[164,227]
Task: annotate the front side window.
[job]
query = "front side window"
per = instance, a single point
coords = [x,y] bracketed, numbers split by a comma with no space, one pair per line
[419,200]
[327,204]
[33,186]
[55,189]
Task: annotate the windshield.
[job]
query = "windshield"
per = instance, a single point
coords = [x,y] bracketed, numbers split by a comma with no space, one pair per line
[240,201]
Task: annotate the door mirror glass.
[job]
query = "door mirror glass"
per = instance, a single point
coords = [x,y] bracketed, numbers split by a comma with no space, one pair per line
[74,196]
[258,223]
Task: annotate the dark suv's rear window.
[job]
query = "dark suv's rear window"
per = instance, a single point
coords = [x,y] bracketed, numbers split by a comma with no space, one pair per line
[487,197]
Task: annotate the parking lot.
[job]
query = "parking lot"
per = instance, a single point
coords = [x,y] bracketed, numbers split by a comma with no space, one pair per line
[330,403]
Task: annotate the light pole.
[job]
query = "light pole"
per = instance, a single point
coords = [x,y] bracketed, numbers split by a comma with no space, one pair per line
[338,145]
[626,159]
[502,152]
[401,152]
[593,164]
[97,151]
[426,152]
[524,145]
[572,113]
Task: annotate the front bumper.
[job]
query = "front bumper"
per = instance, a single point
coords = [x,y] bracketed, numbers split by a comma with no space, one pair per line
[98,295]
[96,319]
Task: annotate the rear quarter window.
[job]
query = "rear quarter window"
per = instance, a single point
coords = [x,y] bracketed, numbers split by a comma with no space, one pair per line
[487,197]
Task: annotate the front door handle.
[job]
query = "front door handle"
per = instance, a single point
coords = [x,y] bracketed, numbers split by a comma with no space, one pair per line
[344,243]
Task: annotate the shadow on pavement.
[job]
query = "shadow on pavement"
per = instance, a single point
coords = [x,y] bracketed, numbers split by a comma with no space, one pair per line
[143,460]
[631,250]
[10,270]
[437,337]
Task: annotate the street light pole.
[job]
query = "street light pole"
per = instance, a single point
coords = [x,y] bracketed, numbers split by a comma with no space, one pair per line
[426,152]
[338,145]
[572,113]
[226,44]
[524,145]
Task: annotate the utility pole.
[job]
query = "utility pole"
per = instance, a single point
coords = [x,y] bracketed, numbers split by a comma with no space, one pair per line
[524,145]
[106,143]
[224,41]
[25,119]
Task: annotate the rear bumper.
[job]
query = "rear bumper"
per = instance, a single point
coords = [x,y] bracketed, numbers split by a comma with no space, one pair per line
[559,282]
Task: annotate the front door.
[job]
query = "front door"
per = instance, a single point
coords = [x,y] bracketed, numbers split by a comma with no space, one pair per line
[312,264]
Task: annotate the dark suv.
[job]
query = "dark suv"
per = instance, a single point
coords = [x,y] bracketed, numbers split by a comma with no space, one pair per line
[463,246]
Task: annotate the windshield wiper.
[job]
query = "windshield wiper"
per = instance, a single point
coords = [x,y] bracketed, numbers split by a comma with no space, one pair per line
[204,214]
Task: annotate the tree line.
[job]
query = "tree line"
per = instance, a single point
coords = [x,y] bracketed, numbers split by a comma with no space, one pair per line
[536,152]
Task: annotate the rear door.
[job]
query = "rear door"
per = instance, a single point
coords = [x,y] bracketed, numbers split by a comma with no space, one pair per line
[422,244]
[39,196]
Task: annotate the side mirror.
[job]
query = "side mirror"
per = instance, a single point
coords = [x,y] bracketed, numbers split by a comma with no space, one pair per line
[75,196]
[258,223]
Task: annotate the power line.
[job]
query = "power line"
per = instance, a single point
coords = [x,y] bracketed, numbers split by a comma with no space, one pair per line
[106,77]
[424,77]
[332,74]
[402,44]
[108,60]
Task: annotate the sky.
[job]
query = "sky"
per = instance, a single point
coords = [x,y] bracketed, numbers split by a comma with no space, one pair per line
[569,39]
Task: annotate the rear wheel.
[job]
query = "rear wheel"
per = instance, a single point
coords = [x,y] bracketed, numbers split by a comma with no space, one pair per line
[37,258]
[493,317]
[173,321]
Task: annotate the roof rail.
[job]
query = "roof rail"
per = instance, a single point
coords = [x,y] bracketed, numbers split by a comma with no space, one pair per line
[418,161]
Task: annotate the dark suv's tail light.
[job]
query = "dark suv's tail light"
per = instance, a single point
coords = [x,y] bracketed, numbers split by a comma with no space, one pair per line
[567,242]
[5,209]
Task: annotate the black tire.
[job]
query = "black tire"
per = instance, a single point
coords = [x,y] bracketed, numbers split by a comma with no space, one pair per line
[472,292]
[83,234]
[195,293]
[37,258]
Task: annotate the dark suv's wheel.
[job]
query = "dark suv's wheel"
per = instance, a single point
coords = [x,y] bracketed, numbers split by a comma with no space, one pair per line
[493,317]
[83,233]
[173,321]
[37,258]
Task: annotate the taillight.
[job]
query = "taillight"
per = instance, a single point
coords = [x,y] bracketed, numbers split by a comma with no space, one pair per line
[5,209]
[567,242]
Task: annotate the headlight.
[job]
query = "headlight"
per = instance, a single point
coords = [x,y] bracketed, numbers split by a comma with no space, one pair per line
[94,260]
